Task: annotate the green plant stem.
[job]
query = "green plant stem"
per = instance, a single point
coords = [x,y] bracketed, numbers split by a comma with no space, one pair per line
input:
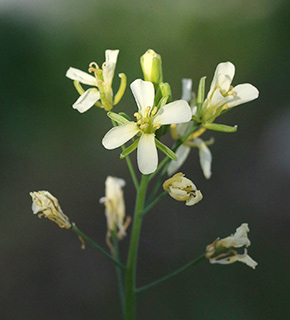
[131,169]
[130,278]
[154,202]
[93,244]
[119,273]
[173,274]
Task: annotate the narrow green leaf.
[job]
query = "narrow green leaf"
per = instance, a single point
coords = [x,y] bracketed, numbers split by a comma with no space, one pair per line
[117,117]
[130,149]
[162,147]
[200,93]
[124,115]
[220,127]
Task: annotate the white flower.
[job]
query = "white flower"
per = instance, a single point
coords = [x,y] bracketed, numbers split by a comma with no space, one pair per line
[182,189]
[149,119]
[222,95]
[222,251]
[115,207]
[180,130]
[45,204]
[102,80]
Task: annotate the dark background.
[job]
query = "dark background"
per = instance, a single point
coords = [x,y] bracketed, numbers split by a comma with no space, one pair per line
[46,145]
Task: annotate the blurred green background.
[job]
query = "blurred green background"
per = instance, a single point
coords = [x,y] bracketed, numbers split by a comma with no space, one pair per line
[45,144]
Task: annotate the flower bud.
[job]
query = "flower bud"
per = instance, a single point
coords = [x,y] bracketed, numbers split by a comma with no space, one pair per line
[45,204]
[152,67]
[182,189]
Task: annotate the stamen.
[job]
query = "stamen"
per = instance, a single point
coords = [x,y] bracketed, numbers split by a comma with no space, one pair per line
[93,67]
[156,125]
[144,126]
[137,115]
[153,112]
[139,121]
[147,111]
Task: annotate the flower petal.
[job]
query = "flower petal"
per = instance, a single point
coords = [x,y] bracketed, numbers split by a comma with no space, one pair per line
[87,100]
[147,156]
[181,153]
[205,157]
[175,112]
[81,76]
[244,92]
[117,136]
[186,90]
[143,92]
[223,77]
[109,66]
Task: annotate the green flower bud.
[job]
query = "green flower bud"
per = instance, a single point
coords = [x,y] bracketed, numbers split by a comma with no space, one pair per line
[152,67]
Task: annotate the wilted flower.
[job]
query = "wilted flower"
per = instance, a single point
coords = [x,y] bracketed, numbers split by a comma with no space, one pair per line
[46,205]
[182,189]
[223,251]
[115,208]
[222,95]
[101,81]
[149,119]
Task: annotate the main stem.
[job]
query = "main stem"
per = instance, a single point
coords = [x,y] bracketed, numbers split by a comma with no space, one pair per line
[130,279]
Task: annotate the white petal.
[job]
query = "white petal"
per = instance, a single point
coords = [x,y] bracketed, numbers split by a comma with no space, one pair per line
[223,77]
[244,92]
[117,136]
[218,100]
[205,157]
[80,76]
[175,112]
[181,153]
[108,72]
[186,89]
[194,198]
[112,55]
[143,92]
[87,100]
[147,156]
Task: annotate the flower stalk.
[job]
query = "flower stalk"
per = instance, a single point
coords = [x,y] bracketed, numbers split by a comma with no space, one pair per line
[130,278]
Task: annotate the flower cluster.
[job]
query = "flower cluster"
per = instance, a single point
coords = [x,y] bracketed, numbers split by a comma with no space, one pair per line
[149,118]
[101,82]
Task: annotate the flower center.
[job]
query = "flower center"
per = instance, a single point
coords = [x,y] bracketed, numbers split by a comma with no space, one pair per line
[145,121]
[94,68]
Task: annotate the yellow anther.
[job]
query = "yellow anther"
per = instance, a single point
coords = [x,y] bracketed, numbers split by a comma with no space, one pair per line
[147,111]
[173,130]
[153,112]
[137,115]
[156,125]
[232,93]
[139,122]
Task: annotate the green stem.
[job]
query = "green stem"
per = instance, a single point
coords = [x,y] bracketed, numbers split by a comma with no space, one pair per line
[131,169]
[154,202]
[173,274]
[130,279]
[119,273]
[95,245]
